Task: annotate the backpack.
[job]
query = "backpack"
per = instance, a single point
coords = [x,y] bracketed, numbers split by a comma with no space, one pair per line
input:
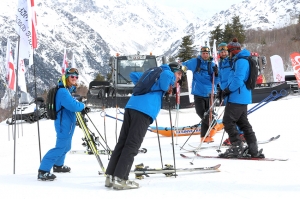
[198,68]
[253,72]
[147,80]
[50,103]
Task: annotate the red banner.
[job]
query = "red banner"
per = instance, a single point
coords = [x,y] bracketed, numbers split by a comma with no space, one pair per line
[295,59]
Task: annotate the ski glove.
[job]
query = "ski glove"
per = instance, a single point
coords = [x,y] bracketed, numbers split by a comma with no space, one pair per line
[216,70]
[223,93]
[85,110]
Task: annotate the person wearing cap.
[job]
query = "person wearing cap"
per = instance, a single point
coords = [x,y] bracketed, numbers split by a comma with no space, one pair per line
[140,112]
[236,108]
[203,68]
[65,123]
[225,66]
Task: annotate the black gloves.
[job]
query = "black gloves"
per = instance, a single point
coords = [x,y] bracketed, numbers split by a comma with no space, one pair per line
[216,70]
[223,93]
[85,110]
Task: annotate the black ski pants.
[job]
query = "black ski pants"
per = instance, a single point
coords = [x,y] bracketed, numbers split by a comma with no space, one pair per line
[236,115]
[133,131]
[202,106]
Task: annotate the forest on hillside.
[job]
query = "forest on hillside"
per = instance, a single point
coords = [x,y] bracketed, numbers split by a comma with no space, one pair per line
[282,42]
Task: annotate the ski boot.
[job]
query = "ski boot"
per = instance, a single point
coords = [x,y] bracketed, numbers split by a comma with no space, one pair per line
[252,151]
[109,180]
[45,176]
[236,150]
[61,169]
[120,184]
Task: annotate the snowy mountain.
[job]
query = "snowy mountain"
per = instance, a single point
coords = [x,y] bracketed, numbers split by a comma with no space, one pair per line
[94,30]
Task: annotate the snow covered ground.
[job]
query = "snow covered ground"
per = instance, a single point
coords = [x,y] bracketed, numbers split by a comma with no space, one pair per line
[236,179]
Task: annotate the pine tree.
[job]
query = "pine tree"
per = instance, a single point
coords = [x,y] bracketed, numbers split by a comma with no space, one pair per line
[227,33]
[186,50]
[216,34]
[100,77]
[238,29]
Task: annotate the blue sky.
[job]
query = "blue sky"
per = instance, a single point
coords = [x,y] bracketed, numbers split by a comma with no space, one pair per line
[201,8]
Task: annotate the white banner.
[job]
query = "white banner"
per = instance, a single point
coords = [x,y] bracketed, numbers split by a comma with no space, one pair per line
[24,29]
[278,69]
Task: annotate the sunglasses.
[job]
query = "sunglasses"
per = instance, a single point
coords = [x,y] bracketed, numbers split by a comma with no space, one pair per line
[74,76]
[221,48]
[205,49]
[73,70]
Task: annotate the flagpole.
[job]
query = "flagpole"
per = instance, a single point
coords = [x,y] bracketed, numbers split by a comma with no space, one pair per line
[15,143]
[36,108]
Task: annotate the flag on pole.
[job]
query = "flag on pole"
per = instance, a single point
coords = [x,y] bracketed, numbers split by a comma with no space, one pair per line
[10,68]
[26,29]
[73,61]
[215,53]
[33,25]
[21,73]
[65,63]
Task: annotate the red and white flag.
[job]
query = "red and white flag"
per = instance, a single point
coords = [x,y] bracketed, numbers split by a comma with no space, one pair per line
[295,58]
[10,68]
[26,29]
[64,64]
[215,52]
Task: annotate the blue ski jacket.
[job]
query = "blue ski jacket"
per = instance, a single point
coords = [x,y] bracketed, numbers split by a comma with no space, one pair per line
[202,79]
[66,118]
[224,71]
[237,78]
[151,103]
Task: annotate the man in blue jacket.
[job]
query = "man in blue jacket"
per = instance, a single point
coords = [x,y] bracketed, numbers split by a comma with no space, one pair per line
[236,108]
[65,123]
[203,68]
[225,67]
[140,112]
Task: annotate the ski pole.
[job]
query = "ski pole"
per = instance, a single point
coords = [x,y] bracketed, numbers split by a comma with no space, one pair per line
[162,165]
[169,101]
[218,150]
[96,129]
[213,123]
[206,113]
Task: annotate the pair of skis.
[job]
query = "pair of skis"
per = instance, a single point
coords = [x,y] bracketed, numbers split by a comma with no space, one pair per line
[88,137]
[140,170]
[226,146]
[242,158]
[101,152]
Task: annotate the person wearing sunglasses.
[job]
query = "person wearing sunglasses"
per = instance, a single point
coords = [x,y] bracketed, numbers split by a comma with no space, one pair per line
[140,112]
[235,114]
[203,68]
[66,106]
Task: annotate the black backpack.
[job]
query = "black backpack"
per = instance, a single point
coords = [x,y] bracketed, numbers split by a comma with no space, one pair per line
[50,103]
[147,80]
[253,72]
